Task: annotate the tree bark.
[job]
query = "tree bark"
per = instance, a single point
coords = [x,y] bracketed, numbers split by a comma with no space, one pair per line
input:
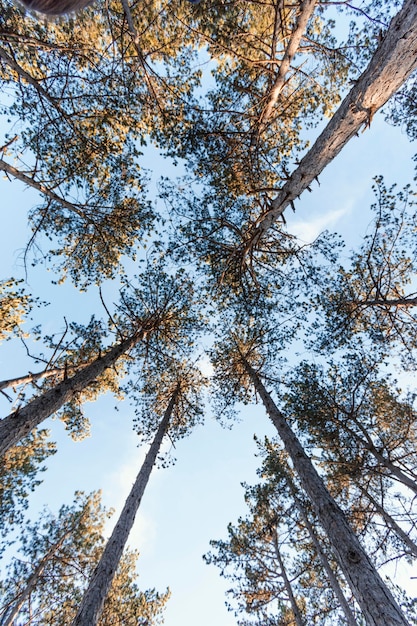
[374,598]
[306,10]
[386,303]
[28,180]
[22,421]
[31,378]
[294,606]
[350,618]
[95,595]
[391,65]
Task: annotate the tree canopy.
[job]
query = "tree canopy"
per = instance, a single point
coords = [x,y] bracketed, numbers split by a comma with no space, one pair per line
[162,146]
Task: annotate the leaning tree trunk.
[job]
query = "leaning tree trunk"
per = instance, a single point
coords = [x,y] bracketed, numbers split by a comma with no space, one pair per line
[391,65]
[391,523]
[305,11]
[334,583]
[98,588]
[22,421]
[287,584]
[12,612]
[374,598]
[43,375]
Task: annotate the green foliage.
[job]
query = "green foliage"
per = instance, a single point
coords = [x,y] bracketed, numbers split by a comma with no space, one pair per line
[15,304]
[56,558]
[269,555]
[83,98]
[19,476]
[235,90]
[374,295]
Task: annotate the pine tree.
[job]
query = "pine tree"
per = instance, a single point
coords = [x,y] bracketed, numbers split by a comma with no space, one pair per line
[178,385]
[243,361]
[46,578]
[158,314]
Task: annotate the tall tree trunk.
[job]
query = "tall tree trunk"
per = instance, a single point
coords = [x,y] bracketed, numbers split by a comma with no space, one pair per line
[391,65]
[10,615]
[94,597]
[22,421]
[287,584]
[305,11]
[350,618]
[374,598]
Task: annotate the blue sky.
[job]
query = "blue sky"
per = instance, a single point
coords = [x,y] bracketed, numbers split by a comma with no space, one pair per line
[192,501]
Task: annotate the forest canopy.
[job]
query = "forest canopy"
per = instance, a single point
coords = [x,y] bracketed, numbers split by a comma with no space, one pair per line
[164,152]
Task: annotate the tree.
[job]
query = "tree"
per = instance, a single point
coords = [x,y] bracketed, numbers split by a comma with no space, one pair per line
[86,96]
[57,554]
[177,385]
[369,427]
[86,99]
[391,65]
[278,69]
[253,557]
[160,314]
[371,295]
[367,448]
[91,605]
[238,360]
[19,476]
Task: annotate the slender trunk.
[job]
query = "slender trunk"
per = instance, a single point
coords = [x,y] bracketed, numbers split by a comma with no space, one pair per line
[369,445]
[350,618]
[386,303]
[306,10]
[374,598]
[11,614]
[22,421]
[95,595]
[391,65]
[31,378]
[31,182]
[411,545]
[288,588]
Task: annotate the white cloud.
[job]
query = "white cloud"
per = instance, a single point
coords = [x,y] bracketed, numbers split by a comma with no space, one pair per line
[308,230]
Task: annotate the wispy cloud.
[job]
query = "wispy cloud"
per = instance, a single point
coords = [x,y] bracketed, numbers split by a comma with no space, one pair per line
[307,230]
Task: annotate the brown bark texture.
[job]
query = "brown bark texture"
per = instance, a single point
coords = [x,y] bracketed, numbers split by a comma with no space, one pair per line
[392,64]
[372,595]
[23,420]
[92,603]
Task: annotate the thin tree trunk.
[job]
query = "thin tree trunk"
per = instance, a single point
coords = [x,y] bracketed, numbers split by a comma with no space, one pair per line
[306,10]
[294,606]
[31,378]
[31,182]
[411,545]
[95,595]
[22,421]
[12,613]
[391,65]
[386,303]
[350,618]
[374,598]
